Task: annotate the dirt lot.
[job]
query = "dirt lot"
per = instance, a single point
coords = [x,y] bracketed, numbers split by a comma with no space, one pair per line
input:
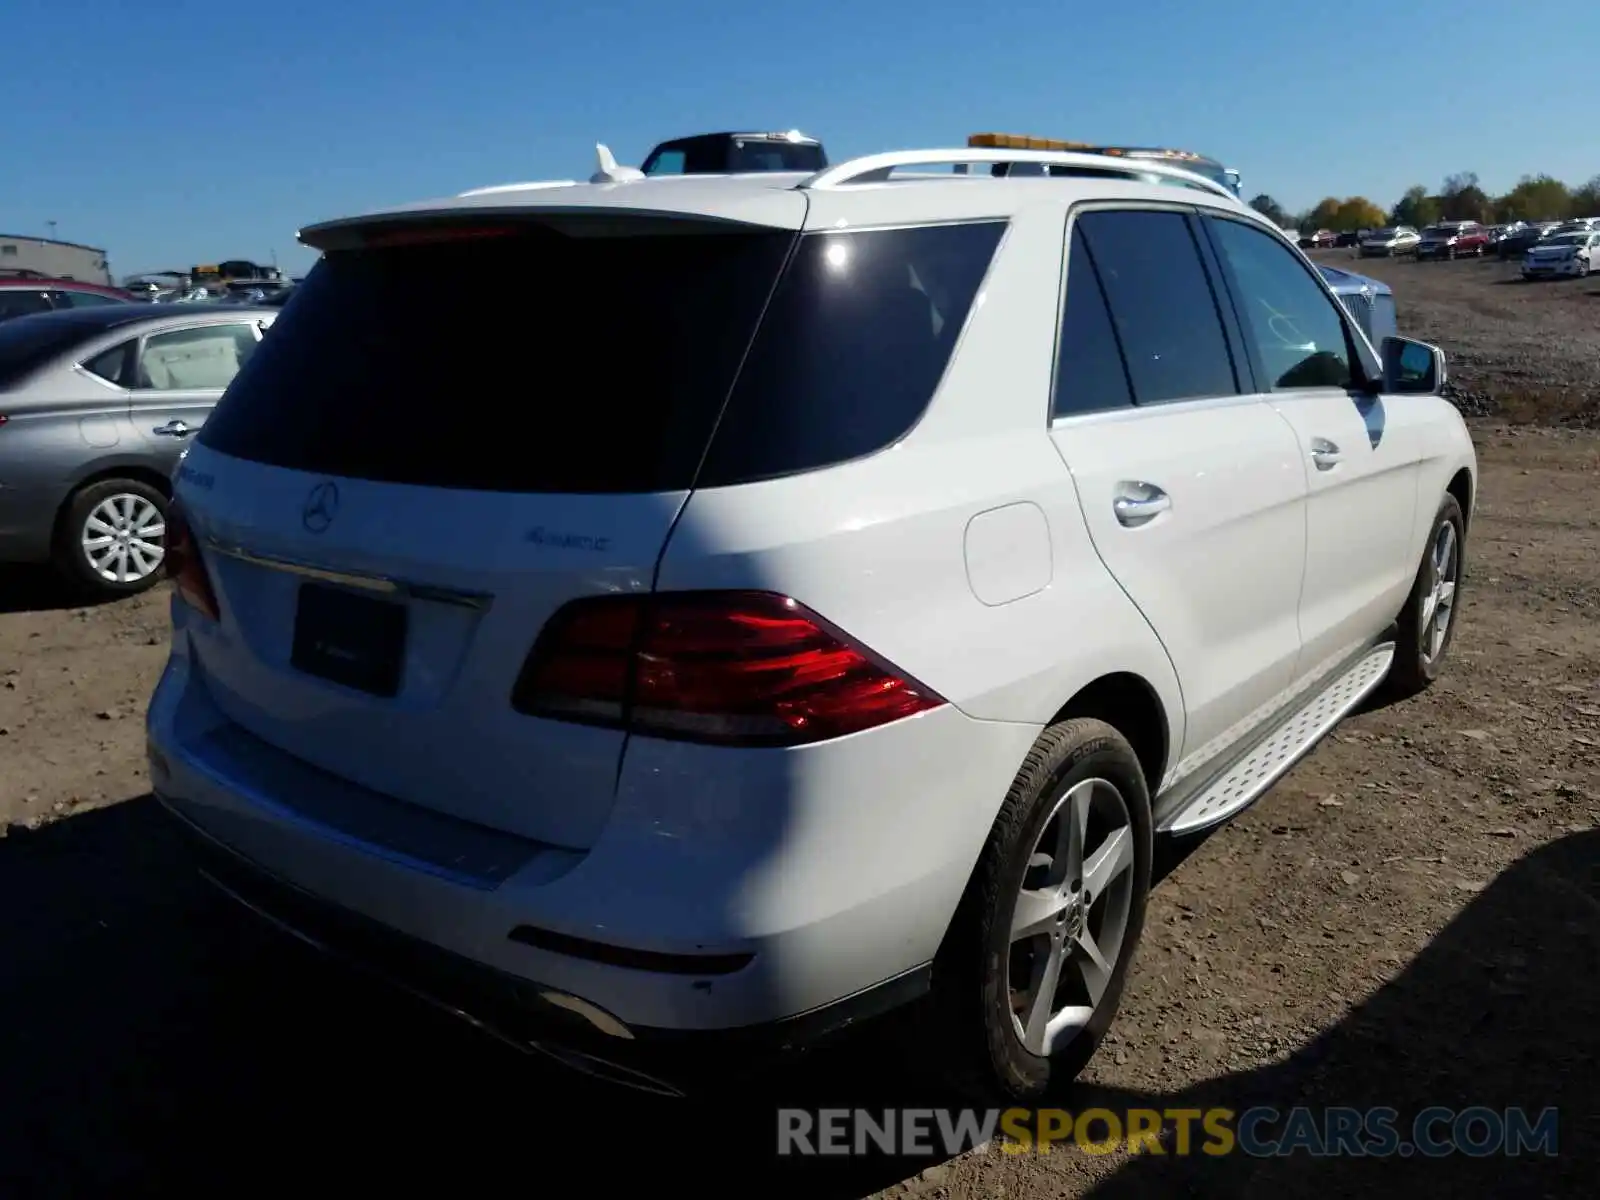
[1411,918]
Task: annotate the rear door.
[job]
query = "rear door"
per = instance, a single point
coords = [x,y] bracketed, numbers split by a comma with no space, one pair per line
[178,375]
[405,483]
[1191,486]
[1360,452]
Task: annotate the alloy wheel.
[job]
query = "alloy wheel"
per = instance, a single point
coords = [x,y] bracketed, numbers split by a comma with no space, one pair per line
[122,538]
[1440,605]
[1069,923]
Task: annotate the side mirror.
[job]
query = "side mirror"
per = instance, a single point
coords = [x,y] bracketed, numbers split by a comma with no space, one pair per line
[1412,368]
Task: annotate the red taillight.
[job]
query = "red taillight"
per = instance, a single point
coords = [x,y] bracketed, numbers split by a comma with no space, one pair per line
[734,668]
[185,567]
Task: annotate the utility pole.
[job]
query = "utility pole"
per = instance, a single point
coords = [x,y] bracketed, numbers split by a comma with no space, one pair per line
[51,225]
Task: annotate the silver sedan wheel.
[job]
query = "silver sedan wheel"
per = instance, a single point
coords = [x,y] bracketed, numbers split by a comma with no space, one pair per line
[122,538]
[1070,919]
[1440,605]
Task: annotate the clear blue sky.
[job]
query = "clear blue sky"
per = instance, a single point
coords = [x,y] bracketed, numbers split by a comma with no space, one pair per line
[173,132]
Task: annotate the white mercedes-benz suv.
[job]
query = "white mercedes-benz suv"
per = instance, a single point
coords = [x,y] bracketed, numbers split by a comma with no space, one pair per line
[713,610]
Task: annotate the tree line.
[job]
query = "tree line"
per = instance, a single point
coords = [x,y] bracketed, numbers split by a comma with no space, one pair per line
[1534,198]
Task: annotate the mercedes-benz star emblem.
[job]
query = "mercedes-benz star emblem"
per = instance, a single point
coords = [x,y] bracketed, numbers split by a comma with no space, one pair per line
[321,506]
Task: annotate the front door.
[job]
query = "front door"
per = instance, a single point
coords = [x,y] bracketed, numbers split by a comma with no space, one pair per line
[1359,451]
[177,378]
[1190,485]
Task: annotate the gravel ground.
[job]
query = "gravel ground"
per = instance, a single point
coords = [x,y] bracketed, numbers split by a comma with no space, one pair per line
[1411,917]
[1520,351]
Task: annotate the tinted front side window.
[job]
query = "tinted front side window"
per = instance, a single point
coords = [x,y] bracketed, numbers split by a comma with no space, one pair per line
[853,346]
[1090,376]
[603,370]
[1292,324]
[1161,303]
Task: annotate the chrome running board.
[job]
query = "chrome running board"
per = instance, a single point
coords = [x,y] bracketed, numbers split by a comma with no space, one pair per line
[1247,779]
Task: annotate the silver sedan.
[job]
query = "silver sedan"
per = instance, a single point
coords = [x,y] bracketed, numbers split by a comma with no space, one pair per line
[96,408]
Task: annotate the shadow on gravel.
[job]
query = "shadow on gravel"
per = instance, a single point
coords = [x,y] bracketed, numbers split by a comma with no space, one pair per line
[29,588]
[1498,1012]
[154,1039]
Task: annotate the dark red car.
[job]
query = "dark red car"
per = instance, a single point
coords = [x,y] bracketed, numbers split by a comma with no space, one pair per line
[26,292]
[1454,239]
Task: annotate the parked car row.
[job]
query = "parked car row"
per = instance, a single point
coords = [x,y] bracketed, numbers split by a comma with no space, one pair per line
[24,293]
[1547,249]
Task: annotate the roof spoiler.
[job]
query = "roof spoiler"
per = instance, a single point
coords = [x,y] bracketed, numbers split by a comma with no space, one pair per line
[609,171]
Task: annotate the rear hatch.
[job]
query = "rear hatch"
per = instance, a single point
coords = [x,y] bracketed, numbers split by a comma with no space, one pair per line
[444,438]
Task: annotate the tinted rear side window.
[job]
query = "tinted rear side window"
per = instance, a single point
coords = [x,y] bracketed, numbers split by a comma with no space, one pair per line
[853,346]
[1162,303]
[540,361]
[1090,375]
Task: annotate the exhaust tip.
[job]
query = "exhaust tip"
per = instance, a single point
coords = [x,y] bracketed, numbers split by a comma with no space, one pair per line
[592,1013]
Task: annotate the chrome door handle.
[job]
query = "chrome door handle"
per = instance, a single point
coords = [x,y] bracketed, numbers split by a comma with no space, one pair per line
[1325,454]
[173,429]
[1137,503]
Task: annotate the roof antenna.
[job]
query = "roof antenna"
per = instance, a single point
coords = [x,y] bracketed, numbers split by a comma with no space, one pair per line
[609,171]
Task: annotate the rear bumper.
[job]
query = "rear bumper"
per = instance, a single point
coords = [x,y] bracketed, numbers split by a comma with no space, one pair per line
[530,1017]
[727,891]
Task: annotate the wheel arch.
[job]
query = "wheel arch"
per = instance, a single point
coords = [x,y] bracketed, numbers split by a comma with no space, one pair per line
[1460,486]
[1129,704]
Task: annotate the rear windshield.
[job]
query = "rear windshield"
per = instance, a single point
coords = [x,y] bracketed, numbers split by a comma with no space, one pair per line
[608,364]
[26,345]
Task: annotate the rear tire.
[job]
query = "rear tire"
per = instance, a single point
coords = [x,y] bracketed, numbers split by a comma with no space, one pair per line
[1084,773]
[111,538]
[1422,645]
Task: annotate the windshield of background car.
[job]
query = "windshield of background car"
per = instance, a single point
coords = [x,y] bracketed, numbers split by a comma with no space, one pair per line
[758,155]
[1213,171]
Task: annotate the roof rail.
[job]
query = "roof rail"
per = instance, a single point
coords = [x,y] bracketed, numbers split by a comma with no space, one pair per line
[874,168]
[518,187]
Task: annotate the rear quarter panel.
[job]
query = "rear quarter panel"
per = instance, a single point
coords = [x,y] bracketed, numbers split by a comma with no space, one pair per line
[62,430]
[884,548]
[1446,451]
